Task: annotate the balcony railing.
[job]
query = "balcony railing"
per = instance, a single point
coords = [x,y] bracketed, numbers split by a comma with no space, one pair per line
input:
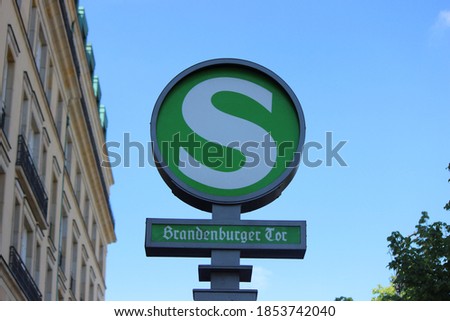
[25,161]
[23,277]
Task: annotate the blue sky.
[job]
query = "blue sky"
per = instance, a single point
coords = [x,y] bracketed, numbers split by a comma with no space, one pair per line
[376,74]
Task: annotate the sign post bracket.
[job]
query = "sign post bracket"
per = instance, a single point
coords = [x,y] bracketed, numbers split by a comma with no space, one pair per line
[225,272]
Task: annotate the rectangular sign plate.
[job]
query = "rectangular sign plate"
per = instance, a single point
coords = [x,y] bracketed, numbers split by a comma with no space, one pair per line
[254,239]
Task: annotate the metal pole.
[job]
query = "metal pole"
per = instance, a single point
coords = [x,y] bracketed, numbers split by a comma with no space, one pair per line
[225,271]
[225,280]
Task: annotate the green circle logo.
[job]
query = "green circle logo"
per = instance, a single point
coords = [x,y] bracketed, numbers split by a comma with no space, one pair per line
[227,131]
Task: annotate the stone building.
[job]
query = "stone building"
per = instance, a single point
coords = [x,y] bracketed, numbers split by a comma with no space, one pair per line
[55,216]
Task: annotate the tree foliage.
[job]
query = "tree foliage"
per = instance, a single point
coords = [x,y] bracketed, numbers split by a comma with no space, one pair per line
[388,293]
[344,298]
[421,261]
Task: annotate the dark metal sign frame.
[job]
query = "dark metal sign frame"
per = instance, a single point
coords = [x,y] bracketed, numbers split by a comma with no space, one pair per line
[247,202]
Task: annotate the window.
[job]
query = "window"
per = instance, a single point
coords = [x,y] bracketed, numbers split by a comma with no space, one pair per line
[24,240]
[34,141]
[32,23]
[97,90]
[16,224]
[40,55]
[91,59]
[23,237]
[49,82]
[74,265]
[83,280]
[69,154]
[91,285]
[48,283]
[7,80]
[26,246]
[78,183]
[24,113]
[101,259]
[7,90]
[43,164]
[53,208]
[86,209]
[2,197]
[30,128]
[83,23]
[59,115]
[94,235]
[64,244]
[37,263]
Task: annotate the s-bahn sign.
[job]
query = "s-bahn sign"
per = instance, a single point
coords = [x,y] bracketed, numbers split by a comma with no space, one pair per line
[227,137]
[227,132]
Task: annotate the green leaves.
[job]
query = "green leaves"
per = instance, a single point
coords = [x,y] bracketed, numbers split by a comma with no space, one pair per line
[388,293]
[421,261]
[343,298]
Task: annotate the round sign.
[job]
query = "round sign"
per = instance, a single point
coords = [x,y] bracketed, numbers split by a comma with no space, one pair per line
[227,131]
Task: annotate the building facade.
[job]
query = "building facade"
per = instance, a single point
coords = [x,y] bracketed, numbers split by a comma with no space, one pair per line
[55,217]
